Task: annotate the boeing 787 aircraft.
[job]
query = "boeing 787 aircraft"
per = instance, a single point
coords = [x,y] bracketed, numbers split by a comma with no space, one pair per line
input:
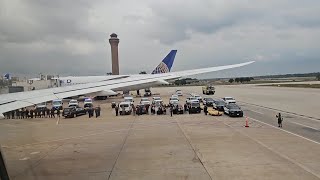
[164,67]
[105,87]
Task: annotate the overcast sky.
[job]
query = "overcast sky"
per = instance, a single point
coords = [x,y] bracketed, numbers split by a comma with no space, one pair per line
[71,37]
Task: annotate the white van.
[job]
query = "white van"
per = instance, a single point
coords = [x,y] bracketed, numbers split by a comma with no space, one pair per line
[87,103]
[125,108]
[128,99]
[41,105]
[57,104]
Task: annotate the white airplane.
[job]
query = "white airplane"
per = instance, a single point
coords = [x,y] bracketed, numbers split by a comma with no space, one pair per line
[164,67]
[13,101]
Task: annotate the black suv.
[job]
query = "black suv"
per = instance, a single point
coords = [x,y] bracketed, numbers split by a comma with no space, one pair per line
[69,112]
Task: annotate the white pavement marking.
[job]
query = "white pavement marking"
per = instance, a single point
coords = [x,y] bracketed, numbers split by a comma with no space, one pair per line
[87,135]
[256,111]
[37,152]
[58,120]
[302,125]
[270,109]
[25,158]
[285,131]
[279,154]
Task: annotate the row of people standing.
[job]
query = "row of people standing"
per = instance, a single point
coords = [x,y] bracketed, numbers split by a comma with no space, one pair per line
[144,109]
[96,110]
[25,113]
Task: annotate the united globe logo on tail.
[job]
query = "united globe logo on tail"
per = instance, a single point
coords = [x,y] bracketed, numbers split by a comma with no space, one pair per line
[161,68]
[166,64]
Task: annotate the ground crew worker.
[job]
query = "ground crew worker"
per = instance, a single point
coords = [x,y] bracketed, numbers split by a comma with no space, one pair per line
[44,112]
[22,113]
[152,109]
[97,111]
[123,110]
[147,108]
[52,113]
[12,114]
[117,110]
[205,109]
[31,113]
[171,110]
[138,110]
[27,113]
[6,115]
[280,119]
[133,109]
[35,113]
[185,107]
[89,111]
[48,112]
[18,114]
[58,113]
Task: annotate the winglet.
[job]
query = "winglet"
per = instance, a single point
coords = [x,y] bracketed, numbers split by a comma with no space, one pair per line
[166,64]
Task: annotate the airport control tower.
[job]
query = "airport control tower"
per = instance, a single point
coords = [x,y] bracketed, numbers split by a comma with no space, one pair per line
[114,41]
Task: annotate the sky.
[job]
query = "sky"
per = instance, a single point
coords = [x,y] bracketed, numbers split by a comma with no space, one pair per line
[70,37]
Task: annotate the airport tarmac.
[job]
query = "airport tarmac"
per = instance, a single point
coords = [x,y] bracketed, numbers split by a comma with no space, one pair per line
[179,147]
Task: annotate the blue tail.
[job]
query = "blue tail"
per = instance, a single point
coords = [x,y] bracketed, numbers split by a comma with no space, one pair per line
[166,64]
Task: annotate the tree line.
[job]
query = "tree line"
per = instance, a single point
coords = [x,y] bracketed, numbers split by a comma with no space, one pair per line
[241,79]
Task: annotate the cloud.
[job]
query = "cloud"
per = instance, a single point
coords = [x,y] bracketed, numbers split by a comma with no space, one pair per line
[52,36]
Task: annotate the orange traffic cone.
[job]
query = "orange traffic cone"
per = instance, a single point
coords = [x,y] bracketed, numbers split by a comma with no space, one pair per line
[247,125]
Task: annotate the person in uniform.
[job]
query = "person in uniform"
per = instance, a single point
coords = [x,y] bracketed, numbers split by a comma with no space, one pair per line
[205,109]
[97,111]
[58,113]
[52,112]
[22,113]
[12,114]
[117,110]
[133,109]
[44,110]
[18,113]
[171,110]
[31,113]
[280,119]
[48,112]
[27,113]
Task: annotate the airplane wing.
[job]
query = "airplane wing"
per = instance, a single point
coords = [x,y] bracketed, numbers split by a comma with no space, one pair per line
[13,101]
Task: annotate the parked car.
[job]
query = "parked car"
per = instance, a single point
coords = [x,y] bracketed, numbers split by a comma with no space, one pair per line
[173,99]
[194,107]
[179,92]
[129,99]
[125,108]
[156,98]
[233,110]
[157,102]
[177,109]
[228,100]
[143,108]
[57,104]
[69,112]
[198,97]
[73,103]
[219,105]
[80,111]
[145,100]
[175,96]
[214,112]
[208,101]
[147,92]
[189,99]
[87,101]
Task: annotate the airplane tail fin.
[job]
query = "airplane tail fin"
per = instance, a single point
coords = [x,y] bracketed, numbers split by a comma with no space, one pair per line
[166,64]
